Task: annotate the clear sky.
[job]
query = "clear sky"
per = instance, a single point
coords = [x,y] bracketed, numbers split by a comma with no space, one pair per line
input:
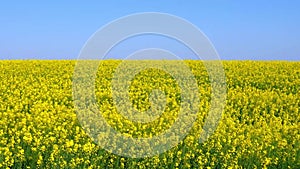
[256,29]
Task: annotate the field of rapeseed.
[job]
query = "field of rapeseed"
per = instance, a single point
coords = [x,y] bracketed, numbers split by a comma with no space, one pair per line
[259,127]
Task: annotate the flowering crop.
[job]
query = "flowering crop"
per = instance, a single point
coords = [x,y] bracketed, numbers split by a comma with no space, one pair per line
[259,127]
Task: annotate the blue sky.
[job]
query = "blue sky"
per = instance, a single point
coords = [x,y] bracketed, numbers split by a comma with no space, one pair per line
[251,30]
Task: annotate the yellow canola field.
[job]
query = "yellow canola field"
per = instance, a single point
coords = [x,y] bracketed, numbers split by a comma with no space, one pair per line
[259,128]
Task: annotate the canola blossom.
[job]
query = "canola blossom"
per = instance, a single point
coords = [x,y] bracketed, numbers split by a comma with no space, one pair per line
[259,127]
